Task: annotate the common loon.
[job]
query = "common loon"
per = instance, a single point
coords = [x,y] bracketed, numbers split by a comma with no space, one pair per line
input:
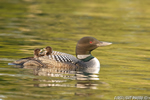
[83,58]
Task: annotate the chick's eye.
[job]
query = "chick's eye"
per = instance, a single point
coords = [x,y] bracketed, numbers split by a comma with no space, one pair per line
[90,42]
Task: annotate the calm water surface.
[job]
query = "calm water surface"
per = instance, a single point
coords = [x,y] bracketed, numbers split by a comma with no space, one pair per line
[125,65]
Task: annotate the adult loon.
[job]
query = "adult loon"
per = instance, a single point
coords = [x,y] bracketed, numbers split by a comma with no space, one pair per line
[83,58]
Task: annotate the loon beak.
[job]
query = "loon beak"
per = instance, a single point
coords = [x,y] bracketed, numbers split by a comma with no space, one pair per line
[103,43]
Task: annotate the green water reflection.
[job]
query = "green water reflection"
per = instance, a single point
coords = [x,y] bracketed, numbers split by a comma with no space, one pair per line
[29,24]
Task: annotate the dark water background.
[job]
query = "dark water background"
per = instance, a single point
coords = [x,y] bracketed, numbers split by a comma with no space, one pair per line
[125,65]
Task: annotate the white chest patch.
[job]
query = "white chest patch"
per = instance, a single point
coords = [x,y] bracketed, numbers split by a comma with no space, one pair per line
[93,65]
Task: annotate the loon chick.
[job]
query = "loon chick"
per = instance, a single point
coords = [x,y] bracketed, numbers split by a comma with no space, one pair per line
[83,53]
[48,50]
[37,53]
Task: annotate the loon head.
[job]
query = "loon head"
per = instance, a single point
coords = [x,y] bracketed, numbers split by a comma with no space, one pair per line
[48,50]
[86,44]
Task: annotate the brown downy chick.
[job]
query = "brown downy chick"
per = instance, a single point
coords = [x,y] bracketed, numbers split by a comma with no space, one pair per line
[48,51]
[37,53]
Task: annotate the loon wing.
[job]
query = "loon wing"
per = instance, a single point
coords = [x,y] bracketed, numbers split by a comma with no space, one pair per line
[62,57]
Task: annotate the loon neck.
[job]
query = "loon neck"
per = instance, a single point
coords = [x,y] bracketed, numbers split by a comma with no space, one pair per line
[85,58]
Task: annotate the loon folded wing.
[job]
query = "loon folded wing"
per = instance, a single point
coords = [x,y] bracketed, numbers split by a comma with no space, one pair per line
[61,57]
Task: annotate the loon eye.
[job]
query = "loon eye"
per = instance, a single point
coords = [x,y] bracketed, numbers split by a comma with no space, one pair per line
[90,42]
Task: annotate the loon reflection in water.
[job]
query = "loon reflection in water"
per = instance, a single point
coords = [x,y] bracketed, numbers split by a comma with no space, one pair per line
[84,79]
[49,59]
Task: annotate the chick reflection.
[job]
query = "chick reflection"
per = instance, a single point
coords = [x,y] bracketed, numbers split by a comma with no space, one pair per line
[84,79]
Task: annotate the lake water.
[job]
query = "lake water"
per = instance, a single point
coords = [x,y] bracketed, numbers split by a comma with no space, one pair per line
[125,65]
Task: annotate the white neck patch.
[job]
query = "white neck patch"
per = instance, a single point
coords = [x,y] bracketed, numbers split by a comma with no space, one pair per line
[83,56]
